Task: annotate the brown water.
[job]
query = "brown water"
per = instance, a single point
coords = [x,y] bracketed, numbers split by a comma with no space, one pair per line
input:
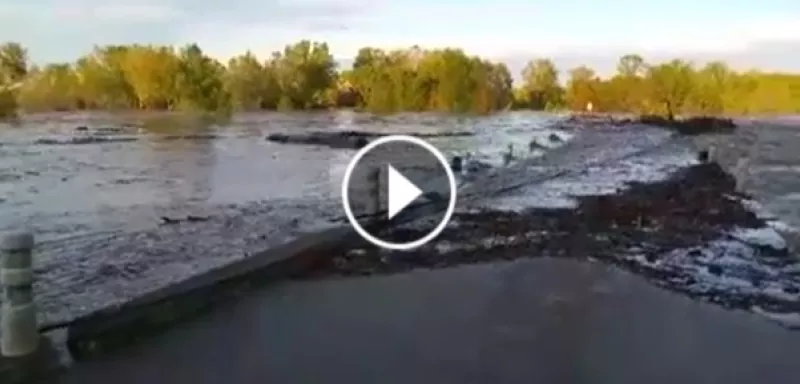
[60,189]
[96,207]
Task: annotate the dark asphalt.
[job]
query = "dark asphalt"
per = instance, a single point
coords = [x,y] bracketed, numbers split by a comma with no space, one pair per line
[533,321]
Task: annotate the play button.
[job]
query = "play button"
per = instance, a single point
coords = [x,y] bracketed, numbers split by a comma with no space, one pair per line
[395,180]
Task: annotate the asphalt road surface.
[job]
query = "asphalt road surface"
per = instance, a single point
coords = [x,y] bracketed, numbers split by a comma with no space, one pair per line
[531,321]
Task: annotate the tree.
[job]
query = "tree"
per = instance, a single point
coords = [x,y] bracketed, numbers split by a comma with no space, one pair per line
[55,87]
[13,63]
[200,82]
[305,71]
[540,83]
[581,88]
[711,85]
[102,81]
[631,65]
[304,75]
[627,87]
[151,72]
[670,85]
[251,84]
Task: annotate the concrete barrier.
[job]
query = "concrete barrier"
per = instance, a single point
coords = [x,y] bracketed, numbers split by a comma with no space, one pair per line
[380,184]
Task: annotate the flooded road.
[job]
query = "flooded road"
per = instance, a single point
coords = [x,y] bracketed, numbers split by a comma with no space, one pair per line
[95,197]
[96,204]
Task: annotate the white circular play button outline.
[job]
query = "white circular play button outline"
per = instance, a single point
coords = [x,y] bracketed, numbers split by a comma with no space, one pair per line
[451,205]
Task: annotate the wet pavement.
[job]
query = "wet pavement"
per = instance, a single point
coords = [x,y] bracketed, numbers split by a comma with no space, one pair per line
[543,320]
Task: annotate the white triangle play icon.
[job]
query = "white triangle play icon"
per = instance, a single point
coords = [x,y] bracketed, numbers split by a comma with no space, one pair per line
[401,192]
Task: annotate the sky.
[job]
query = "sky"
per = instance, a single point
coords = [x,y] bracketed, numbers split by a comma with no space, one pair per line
[746,33]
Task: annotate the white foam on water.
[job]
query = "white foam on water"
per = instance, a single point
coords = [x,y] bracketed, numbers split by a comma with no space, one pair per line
[776,168]
[783,226]
[494,143]
[594,180]
[731,270]
[754,206]
[762,237]
[765,214]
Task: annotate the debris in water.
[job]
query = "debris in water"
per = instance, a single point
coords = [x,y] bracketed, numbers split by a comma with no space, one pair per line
[167,220]
[190,218]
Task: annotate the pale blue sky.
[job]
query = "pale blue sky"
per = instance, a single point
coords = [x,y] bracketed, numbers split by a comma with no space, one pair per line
[763,33]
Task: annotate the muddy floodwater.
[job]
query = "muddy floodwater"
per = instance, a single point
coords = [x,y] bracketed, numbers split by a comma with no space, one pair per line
[95,188]
[95,196]
[134,173]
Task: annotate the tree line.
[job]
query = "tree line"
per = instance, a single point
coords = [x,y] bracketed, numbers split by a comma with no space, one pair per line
[305,76]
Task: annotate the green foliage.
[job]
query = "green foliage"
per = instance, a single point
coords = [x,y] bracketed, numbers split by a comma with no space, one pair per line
[200,82]
[304,76]
[305,71]
[8,104]
[13,63]
[54,87]
[540,85]
[678,87]
[445,80]
[251,84]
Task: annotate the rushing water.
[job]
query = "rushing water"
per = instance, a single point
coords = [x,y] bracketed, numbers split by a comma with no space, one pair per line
[96,205]
[59,188]
[95,198]
[773,171]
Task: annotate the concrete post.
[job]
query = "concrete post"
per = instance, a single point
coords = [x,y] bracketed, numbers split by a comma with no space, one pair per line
[374,192]
[383,188]
[18,326]
[378,185]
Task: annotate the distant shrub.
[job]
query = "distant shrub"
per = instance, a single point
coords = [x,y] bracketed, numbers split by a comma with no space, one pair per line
[8,104]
